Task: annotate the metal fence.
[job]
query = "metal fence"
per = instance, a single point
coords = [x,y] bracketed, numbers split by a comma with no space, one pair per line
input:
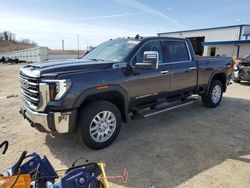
[35,55]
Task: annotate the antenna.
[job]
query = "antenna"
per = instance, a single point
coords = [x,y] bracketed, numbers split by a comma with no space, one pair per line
[63,45]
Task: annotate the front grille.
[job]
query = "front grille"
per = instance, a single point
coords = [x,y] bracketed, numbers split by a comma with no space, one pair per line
[30,90]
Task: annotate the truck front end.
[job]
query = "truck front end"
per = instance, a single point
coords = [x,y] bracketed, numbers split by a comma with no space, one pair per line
[36,93]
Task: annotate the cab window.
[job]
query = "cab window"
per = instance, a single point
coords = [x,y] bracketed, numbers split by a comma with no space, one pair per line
[150,46]
[175,51]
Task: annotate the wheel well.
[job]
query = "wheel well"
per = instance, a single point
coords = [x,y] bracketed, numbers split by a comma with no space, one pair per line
[221,77]
[111,96]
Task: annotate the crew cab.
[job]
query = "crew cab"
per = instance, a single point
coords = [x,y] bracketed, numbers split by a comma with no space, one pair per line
[121,79]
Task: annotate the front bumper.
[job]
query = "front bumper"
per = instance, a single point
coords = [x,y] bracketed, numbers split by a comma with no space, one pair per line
[59,122]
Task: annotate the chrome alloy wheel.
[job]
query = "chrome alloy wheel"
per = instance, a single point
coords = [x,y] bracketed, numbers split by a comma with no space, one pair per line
[102,126]
[216,94]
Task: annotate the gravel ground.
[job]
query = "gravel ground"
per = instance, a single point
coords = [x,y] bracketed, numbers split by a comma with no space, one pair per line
[189,147]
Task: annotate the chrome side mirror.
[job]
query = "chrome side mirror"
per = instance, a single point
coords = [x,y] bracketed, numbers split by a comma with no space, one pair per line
[150,61]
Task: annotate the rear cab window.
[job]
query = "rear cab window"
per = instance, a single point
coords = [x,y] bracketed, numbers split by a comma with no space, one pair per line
[176,51]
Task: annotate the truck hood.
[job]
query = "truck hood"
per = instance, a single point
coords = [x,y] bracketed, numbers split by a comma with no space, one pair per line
[56,68]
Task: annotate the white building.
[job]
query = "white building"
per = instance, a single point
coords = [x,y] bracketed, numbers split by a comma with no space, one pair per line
[228,40]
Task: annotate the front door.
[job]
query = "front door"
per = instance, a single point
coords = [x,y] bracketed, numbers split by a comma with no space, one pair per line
[149,84]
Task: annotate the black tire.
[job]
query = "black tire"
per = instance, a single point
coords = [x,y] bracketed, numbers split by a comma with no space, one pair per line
[207,99]
[236,81]
[87,115]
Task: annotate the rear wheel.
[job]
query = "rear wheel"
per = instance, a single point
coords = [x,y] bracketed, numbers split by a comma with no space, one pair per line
[99,124]
[214,95]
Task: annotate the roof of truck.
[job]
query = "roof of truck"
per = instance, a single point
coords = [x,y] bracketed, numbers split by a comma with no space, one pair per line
[156,38]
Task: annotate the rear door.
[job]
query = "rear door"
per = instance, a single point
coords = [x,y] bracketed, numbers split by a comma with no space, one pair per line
[182,67]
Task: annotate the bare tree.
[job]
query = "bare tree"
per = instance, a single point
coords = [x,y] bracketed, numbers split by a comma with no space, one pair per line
[26,41]
[34,43]
[8,36]
[5,35]
[12,37]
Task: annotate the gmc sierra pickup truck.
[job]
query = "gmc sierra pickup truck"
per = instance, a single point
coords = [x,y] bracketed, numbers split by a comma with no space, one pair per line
[121,79]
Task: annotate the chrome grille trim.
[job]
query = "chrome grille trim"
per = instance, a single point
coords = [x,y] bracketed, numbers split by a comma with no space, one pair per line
[29,82]
[30,90]
[29,97]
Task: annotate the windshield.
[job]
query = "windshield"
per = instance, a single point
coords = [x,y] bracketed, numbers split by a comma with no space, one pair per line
[112,50]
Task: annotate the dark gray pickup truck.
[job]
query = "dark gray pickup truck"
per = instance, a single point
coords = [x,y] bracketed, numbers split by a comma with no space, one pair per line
[121,79]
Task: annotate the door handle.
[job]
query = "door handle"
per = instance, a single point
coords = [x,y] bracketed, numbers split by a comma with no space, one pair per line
[164,72]
[192,68]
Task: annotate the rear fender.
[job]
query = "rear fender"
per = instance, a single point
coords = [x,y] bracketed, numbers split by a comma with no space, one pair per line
[221,76]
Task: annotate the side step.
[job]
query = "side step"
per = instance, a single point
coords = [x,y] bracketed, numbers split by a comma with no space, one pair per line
[166,108]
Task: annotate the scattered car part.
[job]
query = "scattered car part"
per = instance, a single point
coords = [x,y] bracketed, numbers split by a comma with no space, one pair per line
[242,70]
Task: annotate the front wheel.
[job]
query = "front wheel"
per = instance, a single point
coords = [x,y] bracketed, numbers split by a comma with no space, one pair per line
[99,124]
[213,97]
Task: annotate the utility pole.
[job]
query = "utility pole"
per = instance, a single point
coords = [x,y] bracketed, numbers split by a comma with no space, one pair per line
[87,45]
[63,45]
[78,45]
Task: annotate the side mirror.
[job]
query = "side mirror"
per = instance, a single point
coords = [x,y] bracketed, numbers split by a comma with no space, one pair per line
[150,61]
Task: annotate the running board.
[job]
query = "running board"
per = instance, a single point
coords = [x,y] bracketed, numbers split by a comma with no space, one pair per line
[163,109]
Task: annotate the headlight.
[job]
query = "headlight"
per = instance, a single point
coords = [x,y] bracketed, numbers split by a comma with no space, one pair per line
[57,88]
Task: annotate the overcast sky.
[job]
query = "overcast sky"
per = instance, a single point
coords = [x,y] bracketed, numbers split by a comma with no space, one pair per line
[47,22]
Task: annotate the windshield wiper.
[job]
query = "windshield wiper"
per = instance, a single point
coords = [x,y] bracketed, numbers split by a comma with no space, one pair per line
[94,59]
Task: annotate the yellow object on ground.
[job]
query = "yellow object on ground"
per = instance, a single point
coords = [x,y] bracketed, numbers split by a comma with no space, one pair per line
[104,176]
[23,181]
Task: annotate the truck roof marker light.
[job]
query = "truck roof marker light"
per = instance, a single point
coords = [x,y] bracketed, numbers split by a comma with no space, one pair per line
[102,87]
